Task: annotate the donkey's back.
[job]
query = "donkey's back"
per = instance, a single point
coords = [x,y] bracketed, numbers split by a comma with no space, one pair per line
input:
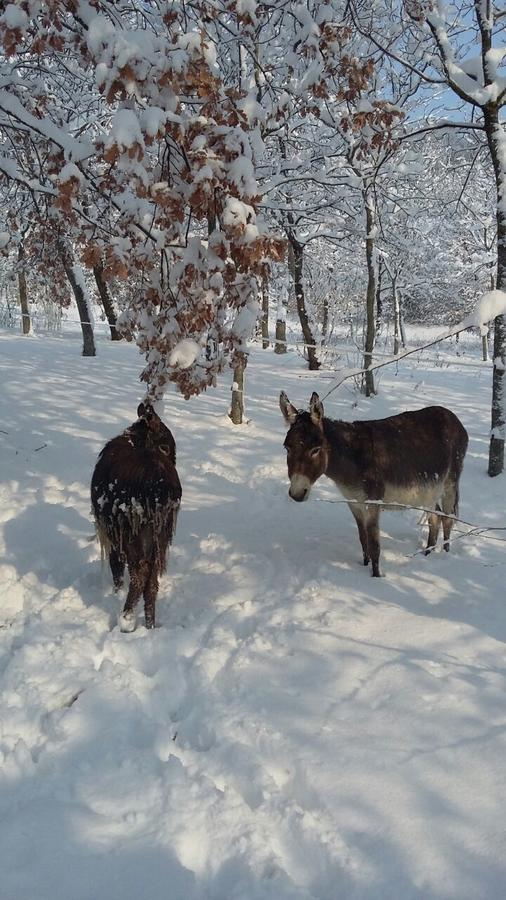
[406,458]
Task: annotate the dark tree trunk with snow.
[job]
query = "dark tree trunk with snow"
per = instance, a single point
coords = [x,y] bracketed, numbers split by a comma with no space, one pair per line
[325,318]
[370,333]
[105,297]
[401,323]
[298,258]
[265,313]
[82,306]
[496,449]
[280,345]
[398,329]
[485,338]
[237,407]
[494,132]
[26,324]
[379,299]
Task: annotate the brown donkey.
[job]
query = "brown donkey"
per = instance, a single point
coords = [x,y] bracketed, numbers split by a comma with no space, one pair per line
[135,495]
[414,458]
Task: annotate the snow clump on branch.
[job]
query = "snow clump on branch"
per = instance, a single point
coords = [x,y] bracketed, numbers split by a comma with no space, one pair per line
[490,305]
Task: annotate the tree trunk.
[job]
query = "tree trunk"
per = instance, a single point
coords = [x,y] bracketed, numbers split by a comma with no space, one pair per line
[397,315]
[298,256]
[368,381]
[103,291]
[265,313]
[485,338]
[379,299]
[401,323]
[280,346]
[496,449]
[26,322]
[495,136]
[82,305]
[237,407]
[325,320]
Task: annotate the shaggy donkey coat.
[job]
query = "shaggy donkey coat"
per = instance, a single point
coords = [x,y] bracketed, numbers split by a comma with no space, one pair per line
[414,459]
[135,496]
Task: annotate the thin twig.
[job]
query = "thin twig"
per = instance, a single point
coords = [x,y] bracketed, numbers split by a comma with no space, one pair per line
[436,512]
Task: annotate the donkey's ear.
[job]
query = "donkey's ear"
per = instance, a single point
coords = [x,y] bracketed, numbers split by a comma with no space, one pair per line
[287,408]
[316,409]
[145,411]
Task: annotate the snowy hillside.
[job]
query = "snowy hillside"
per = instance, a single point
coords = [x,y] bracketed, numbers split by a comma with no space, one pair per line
[294,730]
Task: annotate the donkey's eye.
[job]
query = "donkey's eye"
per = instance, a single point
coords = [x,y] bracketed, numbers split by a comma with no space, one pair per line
[315,451]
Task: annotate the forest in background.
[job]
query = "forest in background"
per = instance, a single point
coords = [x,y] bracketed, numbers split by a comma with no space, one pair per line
[192,165]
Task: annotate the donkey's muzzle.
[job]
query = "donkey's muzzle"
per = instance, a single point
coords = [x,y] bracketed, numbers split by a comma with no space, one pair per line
[299,497]
[300,486]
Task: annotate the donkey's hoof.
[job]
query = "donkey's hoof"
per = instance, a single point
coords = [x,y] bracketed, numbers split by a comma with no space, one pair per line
[127,621]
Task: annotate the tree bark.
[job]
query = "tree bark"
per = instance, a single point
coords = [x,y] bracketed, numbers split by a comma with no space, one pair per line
[496,448]
[105,297]
[379,299]
[397,315]
[325,319]
[26,322]
[298,257]
[493,130]
[82,306]
[237,407]
[401,323]
[265,313]
[485,339]
[370,334]
[280,345]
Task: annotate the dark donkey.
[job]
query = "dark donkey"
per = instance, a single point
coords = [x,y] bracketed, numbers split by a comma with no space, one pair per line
[135,495]
[414,458]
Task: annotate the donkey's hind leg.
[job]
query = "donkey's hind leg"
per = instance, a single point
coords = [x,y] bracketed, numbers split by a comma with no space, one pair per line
[139,572]
[450,504]
[373,538]
[150,594]
[359,514]
[117,564]
[434,526]
[156,567]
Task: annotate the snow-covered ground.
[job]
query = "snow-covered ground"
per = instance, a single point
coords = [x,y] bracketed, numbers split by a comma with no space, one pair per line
[294,730]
